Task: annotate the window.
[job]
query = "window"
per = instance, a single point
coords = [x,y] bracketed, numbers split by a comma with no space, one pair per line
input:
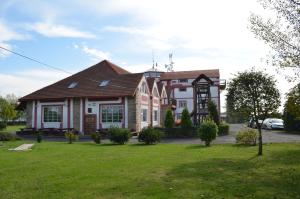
[174,81]
[182,89]
[90,110]
[52,114]
[144,88]
[155,93]
[144,115]
[155,115]
[182,103]
[104,83]
[183,81]
[73,85]
[112,114]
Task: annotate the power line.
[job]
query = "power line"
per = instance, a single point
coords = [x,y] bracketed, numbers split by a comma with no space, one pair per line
[47,65]
[37,61]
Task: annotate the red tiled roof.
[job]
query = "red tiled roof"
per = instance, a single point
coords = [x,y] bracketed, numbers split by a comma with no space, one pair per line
[121,83]
[189,74]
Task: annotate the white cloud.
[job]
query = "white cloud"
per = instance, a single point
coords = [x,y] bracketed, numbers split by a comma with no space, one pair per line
[93,53]
[6,35]
[53,30]
[24,82]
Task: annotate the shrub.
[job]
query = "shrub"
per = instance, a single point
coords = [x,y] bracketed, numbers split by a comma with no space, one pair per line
[223,128]
[208,131]
[2,125]
[71,136]
[150,135]
[180,132]
[119,135]
[39,137]
[169,121]
[247,137]
[213,112]
[6,136]
[96,137]
[186,121]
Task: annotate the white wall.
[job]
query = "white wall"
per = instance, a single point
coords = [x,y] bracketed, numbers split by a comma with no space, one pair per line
[51,124]
[95,106]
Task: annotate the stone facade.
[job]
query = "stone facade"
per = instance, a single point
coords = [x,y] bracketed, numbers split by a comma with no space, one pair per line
[29,106]
[76,113]
[132,119]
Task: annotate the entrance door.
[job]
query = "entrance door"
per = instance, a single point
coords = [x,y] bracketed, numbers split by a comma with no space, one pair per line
[90,123]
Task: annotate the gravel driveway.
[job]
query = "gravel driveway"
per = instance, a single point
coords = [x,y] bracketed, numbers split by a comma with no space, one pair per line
[269,136]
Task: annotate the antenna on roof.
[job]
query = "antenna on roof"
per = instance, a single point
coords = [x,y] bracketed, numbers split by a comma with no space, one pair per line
[154,64]
[170,66]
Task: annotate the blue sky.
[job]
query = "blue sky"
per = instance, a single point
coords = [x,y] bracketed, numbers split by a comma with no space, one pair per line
[73,35]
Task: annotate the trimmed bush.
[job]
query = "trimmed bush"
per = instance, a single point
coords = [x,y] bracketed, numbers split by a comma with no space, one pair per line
[223,128]
[208,131]
[169,120]
[119,135]
[150,135]
[178,132]
[6,136]
[213,112]
[39,137]
[71,137]
[96,137]
[247,137]
[2,125]
[186,121]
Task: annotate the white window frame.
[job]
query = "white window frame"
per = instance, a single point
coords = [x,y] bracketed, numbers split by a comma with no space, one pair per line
[182,103]
[109,113]
[59,118]
[144,115]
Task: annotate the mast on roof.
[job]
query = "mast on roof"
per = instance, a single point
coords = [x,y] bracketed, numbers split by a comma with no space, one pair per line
[170,66]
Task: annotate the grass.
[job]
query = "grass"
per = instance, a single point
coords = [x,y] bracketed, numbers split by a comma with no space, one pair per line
[87,170]
[12,128]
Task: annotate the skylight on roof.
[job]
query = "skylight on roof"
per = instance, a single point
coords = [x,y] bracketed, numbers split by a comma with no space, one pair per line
[104,83]
[73,85]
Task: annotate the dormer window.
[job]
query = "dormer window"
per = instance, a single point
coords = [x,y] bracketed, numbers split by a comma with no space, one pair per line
[104,83]
[73,85]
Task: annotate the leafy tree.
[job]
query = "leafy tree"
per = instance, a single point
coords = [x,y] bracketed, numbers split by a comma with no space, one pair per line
[7,111]
[213,112]
[292,110]
[169,121]
[282,34]
[186,121]
[255,93]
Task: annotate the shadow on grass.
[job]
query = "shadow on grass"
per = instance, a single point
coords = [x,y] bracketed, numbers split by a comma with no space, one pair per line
[274,175]
[198,146]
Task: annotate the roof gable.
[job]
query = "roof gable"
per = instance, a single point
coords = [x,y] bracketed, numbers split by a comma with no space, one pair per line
[189,74]
[121,83]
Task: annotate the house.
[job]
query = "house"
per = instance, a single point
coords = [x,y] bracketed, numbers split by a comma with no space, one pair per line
[181,91]
[101,96]
[106,95]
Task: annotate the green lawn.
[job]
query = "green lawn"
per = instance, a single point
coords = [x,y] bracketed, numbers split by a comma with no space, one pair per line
[13,128]
[86,170]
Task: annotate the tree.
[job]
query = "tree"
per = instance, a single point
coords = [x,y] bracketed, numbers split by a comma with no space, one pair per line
[254,92]
[213,112]
[186,121]
[169,121]
[292,110]
[7,111]
[282,34]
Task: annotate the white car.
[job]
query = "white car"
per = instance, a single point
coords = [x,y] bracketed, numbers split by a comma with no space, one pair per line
[273,123]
